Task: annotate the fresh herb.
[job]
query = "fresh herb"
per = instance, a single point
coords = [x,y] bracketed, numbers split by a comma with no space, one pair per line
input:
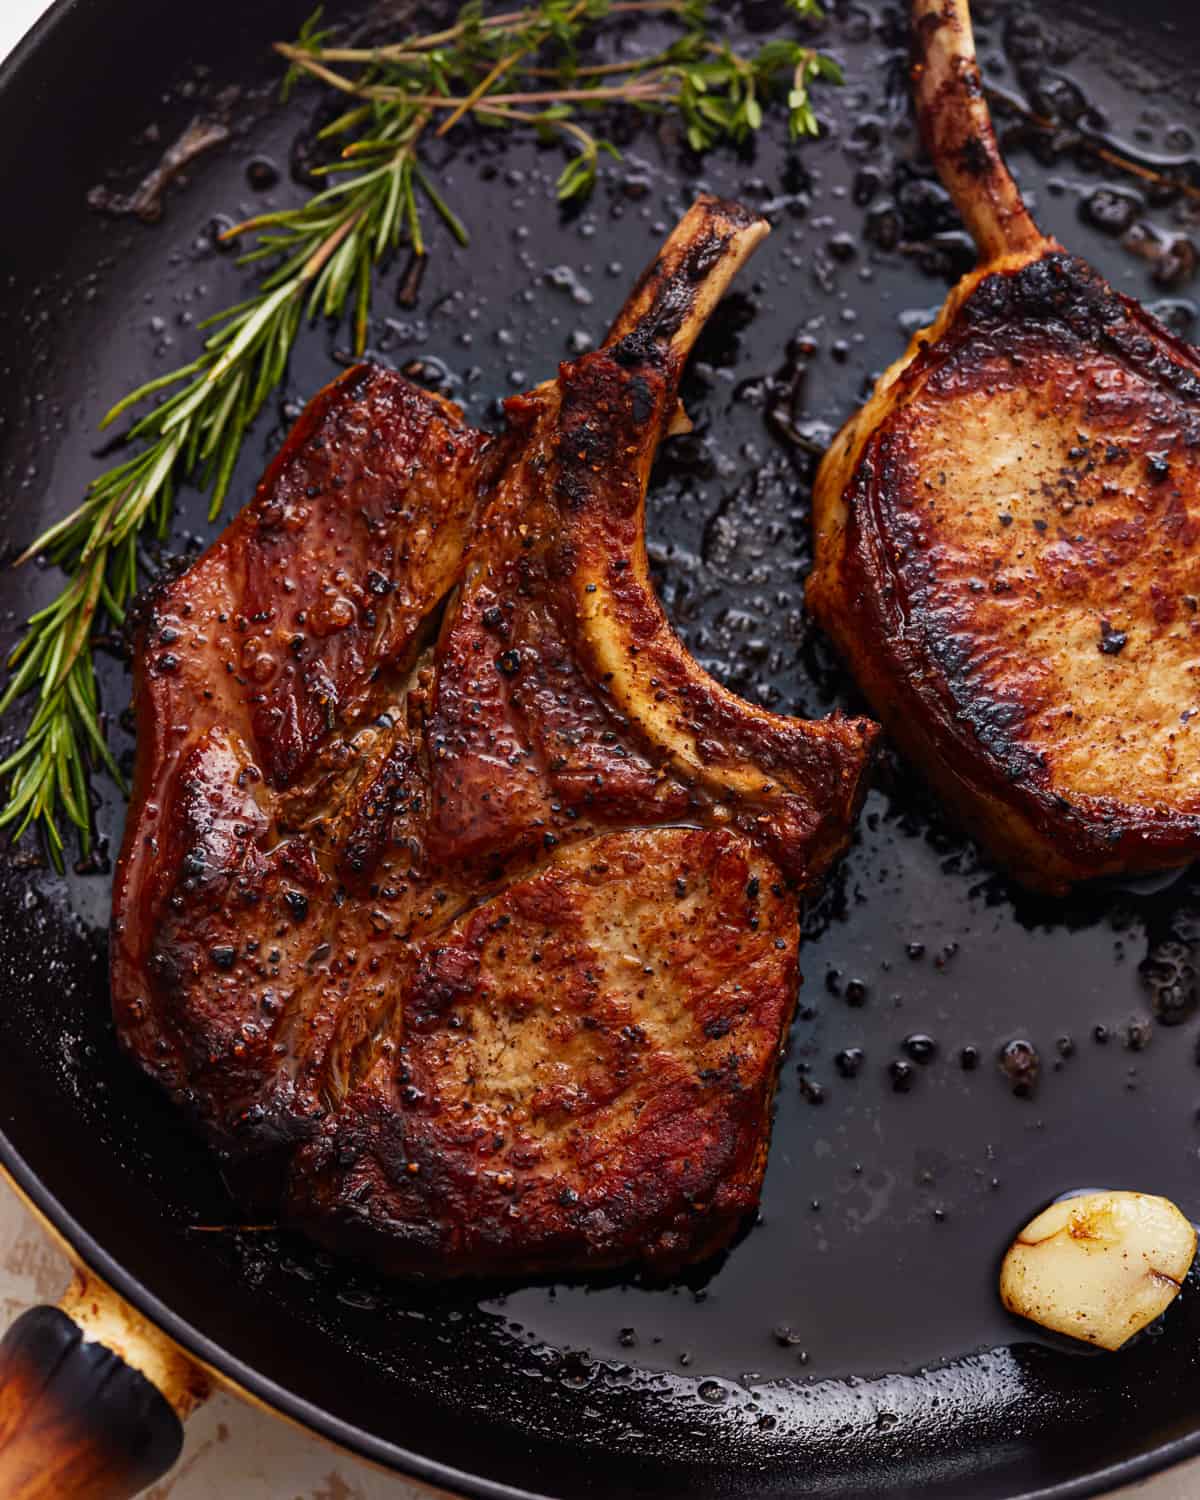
[524,68]
[489,68]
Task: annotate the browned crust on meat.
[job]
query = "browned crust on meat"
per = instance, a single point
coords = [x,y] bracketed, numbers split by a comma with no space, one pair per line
[796,785]
[580,1082]
[579,687]
[286,624]
[948,619]
[420,694]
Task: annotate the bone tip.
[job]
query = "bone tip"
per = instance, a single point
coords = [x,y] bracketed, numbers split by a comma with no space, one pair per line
[730,214]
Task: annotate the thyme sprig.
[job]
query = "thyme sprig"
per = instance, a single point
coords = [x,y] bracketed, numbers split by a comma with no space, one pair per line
[521,68]
[474,68]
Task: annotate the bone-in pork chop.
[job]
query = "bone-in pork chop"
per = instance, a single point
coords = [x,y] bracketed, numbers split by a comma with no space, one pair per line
[456,899]
[1006,534]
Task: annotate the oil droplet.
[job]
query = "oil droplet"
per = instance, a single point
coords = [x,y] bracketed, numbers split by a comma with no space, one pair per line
[849,1061]
[332,615]
[1021,1065]
[262,668]
[921,1048]
[261,173]
[811,1090]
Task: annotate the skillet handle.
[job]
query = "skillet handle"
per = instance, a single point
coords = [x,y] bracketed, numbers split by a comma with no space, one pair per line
[92,1399]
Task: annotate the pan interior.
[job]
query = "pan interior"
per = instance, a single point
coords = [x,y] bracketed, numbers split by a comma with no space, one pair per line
[852,1341]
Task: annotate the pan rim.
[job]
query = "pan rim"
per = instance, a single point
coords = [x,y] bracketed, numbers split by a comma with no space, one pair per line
[247,1382]
[231,1372]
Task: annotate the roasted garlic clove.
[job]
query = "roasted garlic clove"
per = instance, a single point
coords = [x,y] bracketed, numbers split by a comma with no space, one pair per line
[1099,1267]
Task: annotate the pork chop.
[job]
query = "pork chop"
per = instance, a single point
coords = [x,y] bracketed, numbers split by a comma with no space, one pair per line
[456,901]
[1006,533]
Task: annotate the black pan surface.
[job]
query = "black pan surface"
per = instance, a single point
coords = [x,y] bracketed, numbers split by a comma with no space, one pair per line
[851,1344]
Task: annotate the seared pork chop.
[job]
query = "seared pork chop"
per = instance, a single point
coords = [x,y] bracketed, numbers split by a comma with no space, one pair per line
[1006,534]
[455,897]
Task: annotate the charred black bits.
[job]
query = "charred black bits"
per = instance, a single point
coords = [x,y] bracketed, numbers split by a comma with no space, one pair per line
[915,951]
[884,226]
[1109,211]
[752,888]
[811,1090]
[508,663]
[921,1048]
[378,584]
[223,957]
[1021,1065]
[492,617]
[296,903]
[902,1074]
[1176,264]
[1112,642]
[849,1061]
[968,1059]
[925,206]
[1158,467]
[976,159]
[867,183]
[1138,1033]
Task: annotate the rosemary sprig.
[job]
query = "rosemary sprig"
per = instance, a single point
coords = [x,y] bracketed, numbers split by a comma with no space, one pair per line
[519,68]
[324,252]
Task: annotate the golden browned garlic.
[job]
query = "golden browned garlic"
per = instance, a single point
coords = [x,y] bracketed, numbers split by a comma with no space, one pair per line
[1099,1267]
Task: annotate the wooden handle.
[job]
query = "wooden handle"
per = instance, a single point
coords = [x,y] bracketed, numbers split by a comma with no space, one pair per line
[92,1399]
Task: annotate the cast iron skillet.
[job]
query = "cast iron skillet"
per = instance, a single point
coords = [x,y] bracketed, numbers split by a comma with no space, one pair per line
[851,1343]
